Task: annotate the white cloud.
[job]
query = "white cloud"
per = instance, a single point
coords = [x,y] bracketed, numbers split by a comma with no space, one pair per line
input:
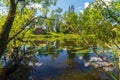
[34,5]
[3,9]
[79,7]
[2,4]
[81,11]
[86,4]
[107,1]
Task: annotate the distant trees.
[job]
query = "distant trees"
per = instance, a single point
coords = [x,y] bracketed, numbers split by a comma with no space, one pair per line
[69,21]
[99,22]
[54,25]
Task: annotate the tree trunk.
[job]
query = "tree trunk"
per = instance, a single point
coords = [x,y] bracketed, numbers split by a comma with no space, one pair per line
[4,35]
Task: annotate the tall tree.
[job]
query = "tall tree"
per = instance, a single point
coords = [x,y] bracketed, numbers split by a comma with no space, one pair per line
[13,18]
[70,20]
[4,34]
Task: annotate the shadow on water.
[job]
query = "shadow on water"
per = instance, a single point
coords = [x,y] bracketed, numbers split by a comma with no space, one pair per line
[65,60]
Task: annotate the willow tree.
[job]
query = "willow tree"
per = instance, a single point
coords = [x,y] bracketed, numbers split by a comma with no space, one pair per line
[69,24]
[13,7]
[54,25]
[98,22]
[12,19]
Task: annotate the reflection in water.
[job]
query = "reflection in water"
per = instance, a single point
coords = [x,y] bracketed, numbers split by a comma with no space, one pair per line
[65,60]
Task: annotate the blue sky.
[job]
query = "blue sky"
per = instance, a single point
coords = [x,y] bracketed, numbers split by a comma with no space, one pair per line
[78,4]
[64,4]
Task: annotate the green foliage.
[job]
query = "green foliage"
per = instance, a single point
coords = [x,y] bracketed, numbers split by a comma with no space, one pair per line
[69,24]
[54,25]
[2,20]
[20,21]
[94,22]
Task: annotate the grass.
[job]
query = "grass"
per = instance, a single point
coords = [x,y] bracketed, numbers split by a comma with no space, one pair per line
[53,36]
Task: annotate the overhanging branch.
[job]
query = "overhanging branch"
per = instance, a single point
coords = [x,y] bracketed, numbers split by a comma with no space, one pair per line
[110,14]
[27,24]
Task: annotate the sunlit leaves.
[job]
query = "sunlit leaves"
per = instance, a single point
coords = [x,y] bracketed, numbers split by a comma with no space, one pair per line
[20,21]
[70,22]
[2,19]
[94,21]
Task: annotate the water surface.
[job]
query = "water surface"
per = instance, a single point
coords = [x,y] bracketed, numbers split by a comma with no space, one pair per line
[67,60]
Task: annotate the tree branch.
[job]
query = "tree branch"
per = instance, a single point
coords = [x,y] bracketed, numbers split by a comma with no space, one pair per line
[4,35]
[27,24]
[17,2]
[111,15]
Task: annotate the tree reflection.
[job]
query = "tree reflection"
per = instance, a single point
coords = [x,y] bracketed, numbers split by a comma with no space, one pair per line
[53,50]
[70,60]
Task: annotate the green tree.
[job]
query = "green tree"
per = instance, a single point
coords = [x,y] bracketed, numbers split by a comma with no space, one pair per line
[70,21]
[53,25]
[18,18]
[8,24]
[95,25]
